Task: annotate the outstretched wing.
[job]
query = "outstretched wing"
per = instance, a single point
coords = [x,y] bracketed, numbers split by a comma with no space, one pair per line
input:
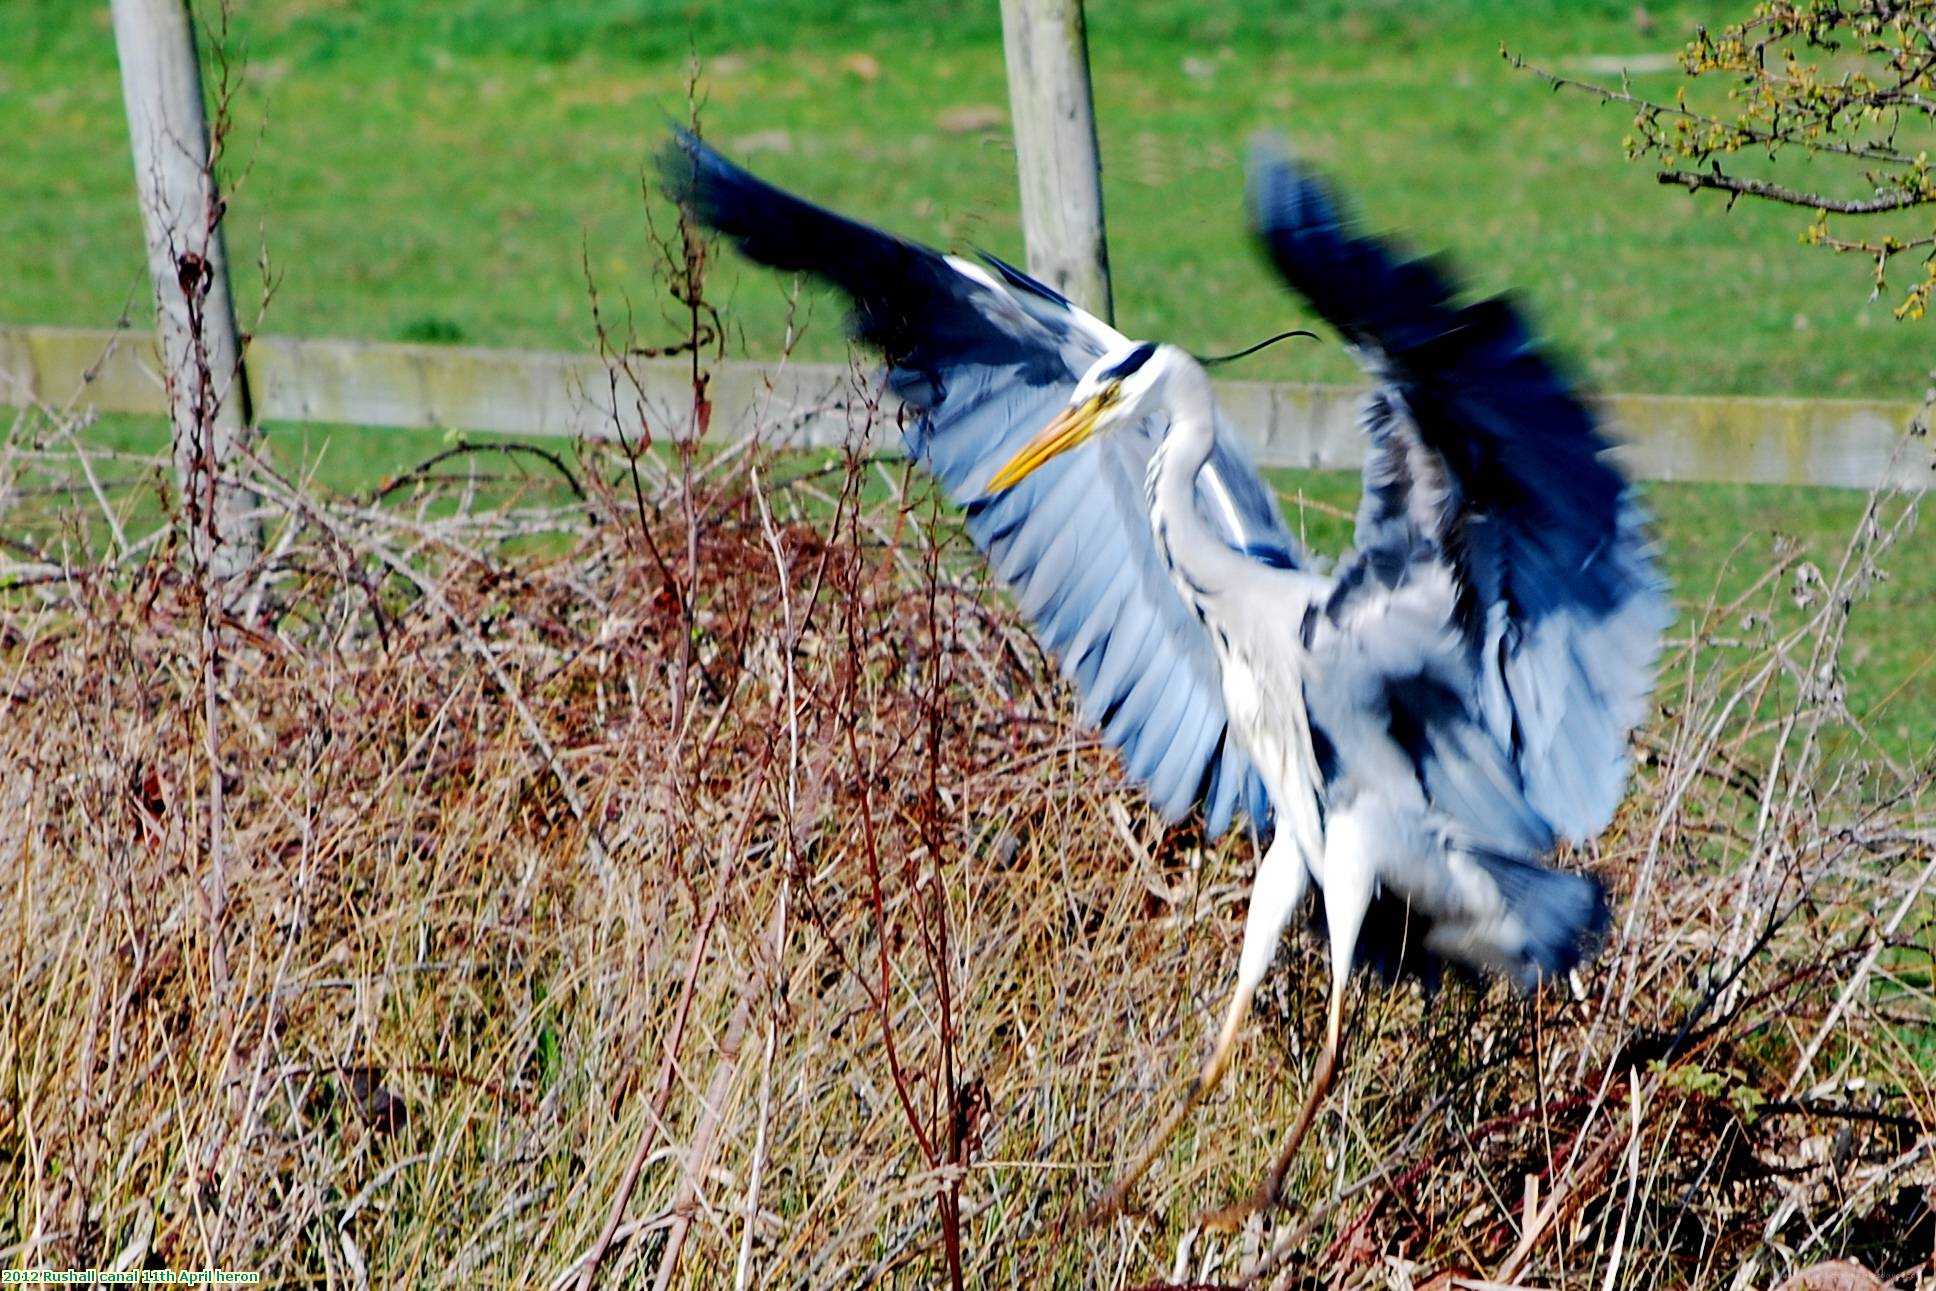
[1483,461]
[984,359]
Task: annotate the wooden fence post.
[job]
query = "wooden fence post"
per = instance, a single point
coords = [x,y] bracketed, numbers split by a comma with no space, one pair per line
[1055,149]
[181,213]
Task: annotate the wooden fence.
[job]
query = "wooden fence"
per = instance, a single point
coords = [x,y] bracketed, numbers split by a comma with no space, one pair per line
[1847,443]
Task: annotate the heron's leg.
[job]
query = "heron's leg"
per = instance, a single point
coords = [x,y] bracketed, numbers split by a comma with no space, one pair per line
[1275,895]
[1347,895]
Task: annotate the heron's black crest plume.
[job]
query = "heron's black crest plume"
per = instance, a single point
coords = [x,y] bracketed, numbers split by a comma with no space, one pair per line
[1132,362]
[1220,359]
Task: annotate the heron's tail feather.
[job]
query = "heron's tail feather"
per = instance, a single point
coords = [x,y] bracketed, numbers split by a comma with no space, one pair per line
[1553,919]
[1542,924]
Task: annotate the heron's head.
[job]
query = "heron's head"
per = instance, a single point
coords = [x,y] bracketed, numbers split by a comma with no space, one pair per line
[1116,392]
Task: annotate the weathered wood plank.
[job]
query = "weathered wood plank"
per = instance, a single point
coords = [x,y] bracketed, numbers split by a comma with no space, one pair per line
[1849,443]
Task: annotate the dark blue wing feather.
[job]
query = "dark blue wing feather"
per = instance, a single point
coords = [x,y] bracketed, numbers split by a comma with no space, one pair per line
[1482,455]
[985,360]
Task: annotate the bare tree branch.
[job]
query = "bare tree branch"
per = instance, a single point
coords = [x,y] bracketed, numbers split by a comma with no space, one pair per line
[1848,82]
[1692,180]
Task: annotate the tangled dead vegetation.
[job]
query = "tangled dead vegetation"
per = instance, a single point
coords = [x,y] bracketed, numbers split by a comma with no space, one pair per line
[680,870]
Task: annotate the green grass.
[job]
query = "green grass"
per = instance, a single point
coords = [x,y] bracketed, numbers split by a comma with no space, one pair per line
[441,172]
[334,459]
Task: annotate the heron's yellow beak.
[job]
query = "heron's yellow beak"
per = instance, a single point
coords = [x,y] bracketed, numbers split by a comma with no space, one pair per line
[1068,428]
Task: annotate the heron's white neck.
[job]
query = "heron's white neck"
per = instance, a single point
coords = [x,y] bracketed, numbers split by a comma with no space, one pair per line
[1198,556]
[1211,576]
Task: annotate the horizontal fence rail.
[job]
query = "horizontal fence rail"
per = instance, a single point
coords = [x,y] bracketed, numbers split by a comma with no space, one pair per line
[1849,443]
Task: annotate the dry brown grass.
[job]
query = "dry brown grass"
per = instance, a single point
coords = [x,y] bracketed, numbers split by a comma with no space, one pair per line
[729,832]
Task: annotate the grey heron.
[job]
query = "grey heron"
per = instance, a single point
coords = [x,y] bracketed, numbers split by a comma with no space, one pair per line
[1414,731]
